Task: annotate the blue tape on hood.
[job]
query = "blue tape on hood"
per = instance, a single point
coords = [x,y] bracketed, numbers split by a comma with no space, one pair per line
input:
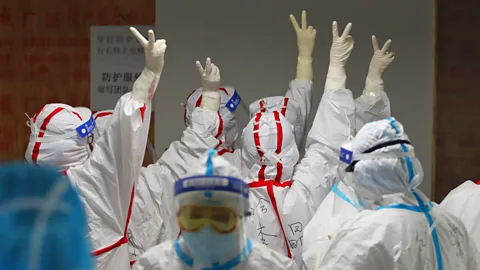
[233,102]
[86,128]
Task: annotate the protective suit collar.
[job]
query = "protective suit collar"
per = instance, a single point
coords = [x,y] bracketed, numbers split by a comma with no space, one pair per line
[287,107]
[60,135]
[181,249]
[269,150]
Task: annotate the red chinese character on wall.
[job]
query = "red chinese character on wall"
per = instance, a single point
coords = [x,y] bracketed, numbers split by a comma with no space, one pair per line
[6,18]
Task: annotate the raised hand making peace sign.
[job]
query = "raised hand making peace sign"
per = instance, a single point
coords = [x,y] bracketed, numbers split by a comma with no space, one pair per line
[154,50]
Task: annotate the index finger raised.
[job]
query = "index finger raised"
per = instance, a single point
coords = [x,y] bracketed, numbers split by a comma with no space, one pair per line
[294,22]
[139,36]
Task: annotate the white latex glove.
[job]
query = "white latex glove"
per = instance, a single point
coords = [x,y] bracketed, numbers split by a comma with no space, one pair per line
[145,86]
[154,50]
[340,51]
[306,43]
[380,61]
[210,84]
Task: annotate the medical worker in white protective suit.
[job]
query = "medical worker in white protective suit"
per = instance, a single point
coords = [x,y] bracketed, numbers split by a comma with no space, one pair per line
[211,206]
[42,219]
[210,123]
[400,228]
[464,203]
[342,203]
[104,178]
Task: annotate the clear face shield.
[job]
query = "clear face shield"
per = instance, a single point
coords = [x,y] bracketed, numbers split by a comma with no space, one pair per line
[210,213]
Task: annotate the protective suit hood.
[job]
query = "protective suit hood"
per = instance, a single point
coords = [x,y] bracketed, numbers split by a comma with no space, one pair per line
[229,102]
[287,107]
[60,136]
[386,175]
[269,150]
[42,219]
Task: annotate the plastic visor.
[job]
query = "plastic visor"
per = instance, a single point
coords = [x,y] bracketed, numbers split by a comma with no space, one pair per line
[348,156]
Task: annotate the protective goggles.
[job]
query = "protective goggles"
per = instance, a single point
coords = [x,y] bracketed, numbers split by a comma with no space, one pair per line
[347,156]
[192,218]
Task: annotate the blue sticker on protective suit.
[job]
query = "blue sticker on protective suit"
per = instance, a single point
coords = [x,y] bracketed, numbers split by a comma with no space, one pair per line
[86,128]
[233,102]
[346,155]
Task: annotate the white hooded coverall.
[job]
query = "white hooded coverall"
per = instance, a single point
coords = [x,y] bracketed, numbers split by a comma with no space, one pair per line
[174,255]
[341,203]
[403,229]
[104,178]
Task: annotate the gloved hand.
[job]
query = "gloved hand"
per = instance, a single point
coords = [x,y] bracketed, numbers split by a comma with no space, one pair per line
[210,84]
[146,85]
[340,51]
[306,43]
[379,63]
[154,50]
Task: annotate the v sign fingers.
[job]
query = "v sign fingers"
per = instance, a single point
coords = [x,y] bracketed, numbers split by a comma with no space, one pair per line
[342,46]
[154,50]
[139,37]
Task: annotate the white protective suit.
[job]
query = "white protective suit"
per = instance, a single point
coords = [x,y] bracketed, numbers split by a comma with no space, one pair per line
[104,178]
[403,229]
[152,221]
[232,193]
[463,203]
[229,102]
[342,203]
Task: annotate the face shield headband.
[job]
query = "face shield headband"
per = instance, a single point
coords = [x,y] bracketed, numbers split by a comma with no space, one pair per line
[347,156]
